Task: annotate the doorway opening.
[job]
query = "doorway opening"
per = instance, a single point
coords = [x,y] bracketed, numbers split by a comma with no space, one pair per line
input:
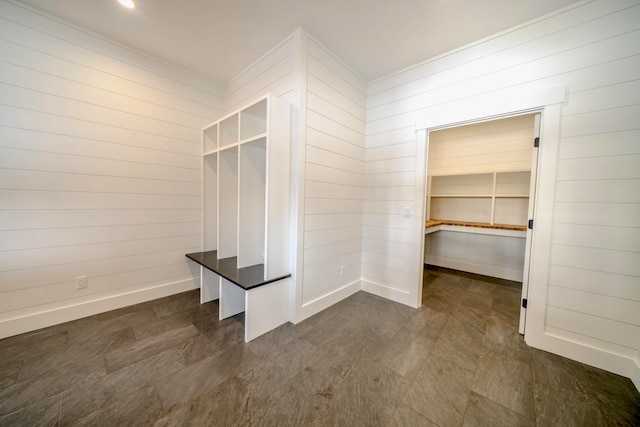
[480,192]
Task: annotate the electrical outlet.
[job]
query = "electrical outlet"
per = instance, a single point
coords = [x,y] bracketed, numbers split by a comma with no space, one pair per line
[81,282]
[406,212]
[341,270]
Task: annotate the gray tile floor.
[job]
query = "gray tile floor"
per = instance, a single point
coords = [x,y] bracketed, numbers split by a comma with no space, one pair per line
[366,361]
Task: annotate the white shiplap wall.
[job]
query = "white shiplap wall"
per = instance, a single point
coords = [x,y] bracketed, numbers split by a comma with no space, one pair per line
[334,158]
[593,49]
[99,172]
[494,146]
[276,72]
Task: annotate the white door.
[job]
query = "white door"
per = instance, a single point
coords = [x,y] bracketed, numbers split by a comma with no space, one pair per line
[531,210]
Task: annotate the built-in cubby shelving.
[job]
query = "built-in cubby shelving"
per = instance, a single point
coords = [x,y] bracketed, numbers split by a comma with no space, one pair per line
[489,198]
[228,131]
[246,193]
[210,139]
[253,120]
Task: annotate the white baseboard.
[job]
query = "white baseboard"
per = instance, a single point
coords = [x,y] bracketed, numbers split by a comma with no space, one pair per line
[389,292]
[620,364]
[318,304]
[634,375]
[485,270]
[54,316]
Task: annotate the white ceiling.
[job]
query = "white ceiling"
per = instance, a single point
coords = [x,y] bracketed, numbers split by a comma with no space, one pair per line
[218,38]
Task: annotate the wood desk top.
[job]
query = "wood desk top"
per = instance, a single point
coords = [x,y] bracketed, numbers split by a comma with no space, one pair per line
[435,222]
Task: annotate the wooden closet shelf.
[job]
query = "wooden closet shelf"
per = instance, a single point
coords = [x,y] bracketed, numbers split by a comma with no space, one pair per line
[435,222]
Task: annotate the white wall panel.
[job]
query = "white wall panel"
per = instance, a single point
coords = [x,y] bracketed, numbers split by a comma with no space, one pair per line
[389,248]
[16,240]
[606,330]
[383,274]
[389,234]
[594,191]
[30,60]
[37,180]
[401,164]
[38,32]
[24,259]
[604,121]
[321,288]
[57,274]
[597,259]
[332,220]
[54,104]
[326,267]
[391,137]
[407,149]
[601,167]
[618,285]
[601,144]
[495,52]
[66,218]
[34,140]
[324,237]
[392,262]
[332,90]
[273,73]
[334,159]
[100,172]
[328,142]
[596,236]
[332,191]
[607,307]
[325,124]
[390,179]
[395,221]
[17,300]
[593,50]
[605,214]
[322,206]
[335,176]
[388,193]
[82,165]
[331,250]
[333,112]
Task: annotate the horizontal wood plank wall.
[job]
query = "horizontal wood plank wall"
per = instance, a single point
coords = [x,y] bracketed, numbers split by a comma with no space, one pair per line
[593,49]
[335,126]
[274,72]
[99,172]
[494,146]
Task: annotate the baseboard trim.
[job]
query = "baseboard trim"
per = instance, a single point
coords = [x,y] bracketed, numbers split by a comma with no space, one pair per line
[57,315]
[635,371]
[485,270]
[318,304]
[588,354]
[389,292]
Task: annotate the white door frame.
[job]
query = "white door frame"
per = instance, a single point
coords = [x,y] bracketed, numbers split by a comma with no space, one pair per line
[491,106]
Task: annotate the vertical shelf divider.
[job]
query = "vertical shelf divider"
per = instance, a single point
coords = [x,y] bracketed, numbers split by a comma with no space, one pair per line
[493,200]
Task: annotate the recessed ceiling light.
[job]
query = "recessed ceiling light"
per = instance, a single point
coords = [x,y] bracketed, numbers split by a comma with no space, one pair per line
[127,3]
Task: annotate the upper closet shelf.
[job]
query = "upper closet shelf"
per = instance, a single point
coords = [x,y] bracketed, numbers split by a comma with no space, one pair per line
[246,125]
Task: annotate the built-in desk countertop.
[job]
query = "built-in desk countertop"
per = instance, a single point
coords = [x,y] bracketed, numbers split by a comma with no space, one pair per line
[434,225]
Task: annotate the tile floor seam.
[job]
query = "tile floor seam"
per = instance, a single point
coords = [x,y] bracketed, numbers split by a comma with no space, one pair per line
[19,372]
[164,409]
[60,409]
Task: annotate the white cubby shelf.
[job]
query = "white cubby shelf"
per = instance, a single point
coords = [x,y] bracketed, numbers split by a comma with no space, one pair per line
[493,198]
[246,196]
